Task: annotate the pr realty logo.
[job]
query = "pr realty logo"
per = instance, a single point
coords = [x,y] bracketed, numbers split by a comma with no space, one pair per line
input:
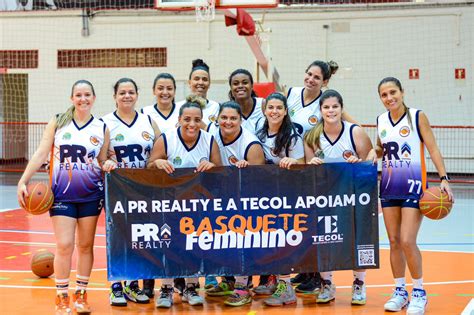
[327,230]
[150,235]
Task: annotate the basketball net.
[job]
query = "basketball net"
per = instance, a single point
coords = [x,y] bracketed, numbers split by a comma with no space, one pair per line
[205,10]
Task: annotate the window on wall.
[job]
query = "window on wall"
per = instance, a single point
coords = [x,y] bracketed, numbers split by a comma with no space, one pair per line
[19,59]
[112,58]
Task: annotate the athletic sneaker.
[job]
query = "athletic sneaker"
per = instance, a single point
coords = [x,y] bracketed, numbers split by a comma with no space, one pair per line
[359,297]
[240,296]
[268,287]
[312,285]
[80,302]
[166,297]
[210,282]
[149,287]
[283,295]
[116,297]
[191,296]
[222,289]
[133,293]
[62,304]
[418,302]
[299,278]
[398,300]
[328,292]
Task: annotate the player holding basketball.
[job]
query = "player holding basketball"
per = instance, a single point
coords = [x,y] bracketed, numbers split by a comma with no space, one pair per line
[402,135]
[132,136]
[77,140]
[238,147]
[283,146]
[165,112]
[241,92]
[186,146]
[335,140]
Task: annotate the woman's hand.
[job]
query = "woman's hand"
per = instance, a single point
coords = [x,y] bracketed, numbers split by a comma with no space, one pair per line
[108,165]
[316,161]
[286,162]
[444,186]
[242,164]
[164,165]
[22,194]
[204,166]
[353,159]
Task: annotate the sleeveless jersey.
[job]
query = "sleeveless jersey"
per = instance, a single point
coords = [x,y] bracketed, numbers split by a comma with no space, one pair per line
[341,149]
[306,116]
[75,172]
[209,113]
[130,145]
[403,162]
[250,122]
[164,123]
[295,150]
[236,150]
[182,156]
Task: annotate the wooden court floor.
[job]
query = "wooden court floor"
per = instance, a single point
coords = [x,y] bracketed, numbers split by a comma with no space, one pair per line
[448,276]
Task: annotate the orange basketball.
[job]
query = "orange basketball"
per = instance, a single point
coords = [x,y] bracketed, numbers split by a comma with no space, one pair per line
[434,203]
[40,198]
[42,264]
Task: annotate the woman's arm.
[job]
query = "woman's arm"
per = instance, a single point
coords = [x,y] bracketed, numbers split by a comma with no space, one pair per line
[158,158]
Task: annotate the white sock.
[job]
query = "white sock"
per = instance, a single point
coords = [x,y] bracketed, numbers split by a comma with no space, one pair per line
[168,282]
[327,276]
[400,282]
[418,283]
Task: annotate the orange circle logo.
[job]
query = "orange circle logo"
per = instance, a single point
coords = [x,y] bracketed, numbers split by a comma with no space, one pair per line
[404,131]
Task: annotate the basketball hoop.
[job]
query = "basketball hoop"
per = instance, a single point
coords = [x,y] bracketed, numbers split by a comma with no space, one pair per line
[205,10]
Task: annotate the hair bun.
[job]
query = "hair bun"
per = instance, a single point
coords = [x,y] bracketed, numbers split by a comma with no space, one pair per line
[333,66]
[196,99]
[200,63]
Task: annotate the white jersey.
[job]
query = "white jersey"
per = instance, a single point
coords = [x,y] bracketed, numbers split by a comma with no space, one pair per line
[236,150]
[130,145]
[164,123]
[180,155]
[341,149]
[75,172]
[306,116]
[295,150]
[403,161]
[209,113]
[250,122]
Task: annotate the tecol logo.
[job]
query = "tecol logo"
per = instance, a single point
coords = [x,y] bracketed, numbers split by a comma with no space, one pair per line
[330,223]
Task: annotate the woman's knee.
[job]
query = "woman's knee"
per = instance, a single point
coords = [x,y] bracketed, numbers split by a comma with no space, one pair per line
[64,248]
[85,247]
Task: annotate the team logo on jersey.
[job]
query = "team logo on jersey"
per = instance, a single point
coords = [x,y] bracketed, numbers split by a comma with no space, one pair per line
[212,118]
[383,133]
[203,159]
[66,136]
[319,154]
[94,140]
[313,120]
[177,161]
[406,150]
[119,137]
[232,159]
[347,154]
[404,131]
[146,136]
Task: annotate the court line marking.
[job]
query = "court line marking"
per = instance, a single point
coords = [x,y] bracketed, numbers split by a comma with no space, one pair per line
[339,287]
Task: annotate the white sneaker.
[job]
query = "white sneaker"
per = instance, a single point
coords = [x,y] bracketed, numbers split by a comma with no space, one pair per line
[398,300]
[359,296]
[191,296]
[328,292]
[165,299]
[418,302]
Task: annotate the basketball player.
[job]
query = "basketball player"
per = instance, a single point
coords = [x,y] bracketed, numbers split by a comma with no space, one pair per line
[283,146]
[78,142]
[241,92]
[403,134]
[132,136]
[165,112]
[335,140]
[186,146]
[239,147]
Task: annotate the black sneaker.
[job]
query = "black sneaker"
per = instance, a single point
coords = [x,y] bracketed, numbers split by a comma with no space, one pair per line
[300,278]
[149,287]
[311,285]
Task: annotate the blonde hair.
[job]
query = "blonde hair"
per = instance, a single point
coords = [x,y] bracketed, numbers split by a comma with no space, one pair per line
[313,136]
[66,117]
[195,101]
